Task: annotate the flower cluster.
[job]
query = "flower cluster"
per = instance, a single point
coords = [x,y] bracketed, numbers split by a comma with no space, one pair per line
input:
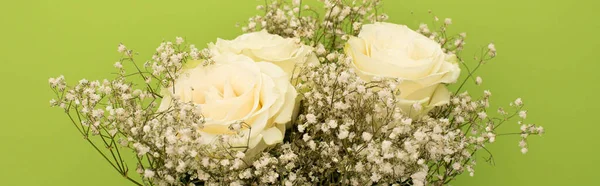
[297,20]
[302,98]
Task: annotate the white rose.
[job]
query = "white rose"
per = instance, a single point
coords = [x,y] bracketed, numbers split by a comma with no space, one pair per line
[395,51]
[236,88]
[286,53]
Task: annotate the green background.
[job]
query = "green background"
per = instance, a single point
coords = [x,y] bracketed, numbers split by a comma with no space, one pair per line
[547,54]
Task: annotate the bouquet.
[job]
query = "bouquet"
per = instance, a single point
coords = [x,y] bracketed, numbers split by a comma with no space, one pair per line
[306,96]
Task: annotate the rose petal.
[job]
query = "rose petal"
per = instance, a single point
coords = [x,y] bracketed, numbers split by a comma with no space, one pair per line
[285,113]
[441,96]
[273,135]
[257,124]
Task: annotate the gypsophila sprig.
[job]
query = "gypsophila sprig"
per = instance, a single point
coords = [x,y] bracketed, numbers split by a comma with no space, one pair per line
[297,20]
[307,96]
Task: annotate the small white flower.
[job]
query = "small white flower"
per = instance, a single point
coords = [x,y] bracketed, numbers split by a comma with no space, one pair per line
[240,155]
[205,162]
[225,162]
[331,56]
[417,107]
[356,25]
[344,76]
[141,149]
[118,65]
[492,47]
[458,42]
[523,114]
[359,167]
[148,173]
[478,80]
[420,136]
[53,102]
[523,128]
[296,2]
[170,179]
[121,48]
[83,81]
[312,145]
[332,124]
[301,128]
[178,40]
[375,177]
[320,49]
[305,137]
[540,130]
[522,144]
[146,129]
[361,89]
[419,178]
[460,119]
[252,25]
[480,139]
[385,145]
[518,102]
[524,150]
[113,132]
[366,136]
[53,81]
[448,21]
[181,166]
[424,28]
[235,126]
[343,134]
[456,166]
[311,118]
[482,115]
[193,153]
[487,93]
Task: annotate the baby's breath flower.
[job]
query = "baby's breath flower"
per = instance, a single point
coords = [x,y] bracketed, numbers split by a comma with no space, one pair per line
[524,150]
[121,48]
[482,115]
[518,102]
[447,21]
[492,49]
[118,65]
[366,136]
[523,114]
[179,40]
[311,118]
[148,173]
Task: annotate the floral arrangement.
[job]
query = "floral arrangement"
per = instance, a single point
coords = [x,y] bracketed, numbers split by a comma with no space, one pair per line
[302,98]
